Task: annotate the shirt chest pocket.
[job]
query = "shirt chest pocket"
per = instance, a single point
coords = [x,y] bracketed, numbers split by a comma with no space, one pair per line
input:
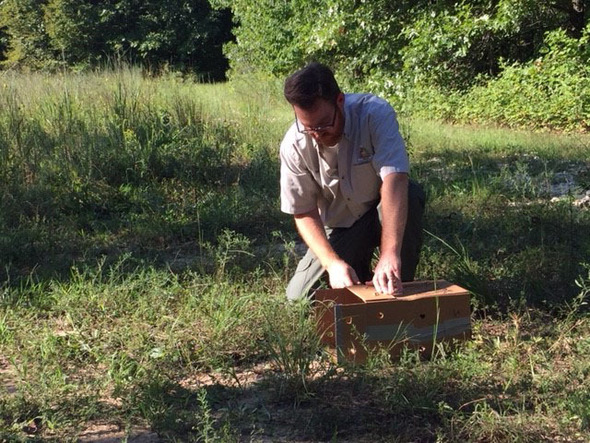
[364,153]
[365,182]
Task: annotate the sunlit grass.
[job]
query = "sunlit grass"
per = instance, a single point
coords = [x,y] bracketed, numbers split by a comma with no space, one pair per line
[144,261]
[429,138]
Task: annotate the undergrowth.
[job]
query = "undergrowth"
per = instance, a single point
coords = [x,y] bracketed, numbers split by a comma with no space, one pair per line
[144,262]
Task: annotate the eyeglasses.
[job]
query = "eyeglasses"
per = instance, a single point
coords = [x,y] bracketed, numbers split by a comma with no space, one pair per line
[317,129]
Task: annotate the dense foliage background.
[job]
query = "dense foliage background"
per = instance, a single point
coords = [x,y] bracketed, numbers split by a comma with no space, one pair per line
[517,63]
[177,34]
[520,63]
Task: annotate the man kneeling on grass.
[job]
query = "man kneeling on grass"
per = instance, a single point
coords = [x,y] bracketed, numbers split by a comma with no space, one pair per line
[344,177]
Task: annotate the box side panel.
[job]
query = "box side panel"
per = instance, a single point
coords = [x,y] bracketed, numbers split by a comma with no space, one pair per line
[350,333]
[436,316]
[352,326]
[418,324]
[324,303]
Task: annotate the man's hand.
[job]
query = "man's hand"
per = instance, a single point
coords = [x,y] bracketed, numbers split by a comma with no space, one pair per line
[310,227]
[387,276]
[341,274]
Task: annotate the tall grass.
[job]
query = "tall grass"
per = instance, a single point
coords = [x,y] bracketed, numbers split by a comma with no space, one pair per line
[115,160]
[144,262]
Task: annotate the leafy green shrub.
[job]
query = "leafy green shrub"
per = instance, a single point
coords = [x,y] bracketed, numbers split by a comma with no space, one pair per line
[551,92]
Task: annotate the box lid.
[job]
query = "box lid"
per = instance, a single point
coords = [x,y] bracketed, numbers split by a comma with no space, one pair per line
[412,291]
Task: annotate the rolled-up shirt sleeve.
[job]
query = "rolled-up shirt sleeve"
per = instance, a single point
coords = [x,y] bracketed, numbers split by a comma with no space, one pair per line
[390,150]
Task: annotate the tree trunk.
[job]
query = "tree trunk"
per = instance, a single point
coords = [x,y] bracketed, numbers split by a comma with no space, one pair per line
[577,17]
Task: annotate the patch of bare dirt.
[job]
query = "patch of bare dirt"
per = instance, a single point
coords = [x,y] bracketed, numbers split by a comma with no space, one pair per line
[112,433]
[7,383]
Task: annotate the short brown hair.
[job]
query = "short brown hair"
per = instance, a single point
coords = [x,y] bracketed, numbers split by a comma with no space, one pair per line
[315,81]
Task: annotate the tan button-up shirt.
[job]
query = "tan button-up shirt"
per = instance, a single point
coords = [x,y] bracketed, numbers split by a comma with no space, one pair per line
[343,181]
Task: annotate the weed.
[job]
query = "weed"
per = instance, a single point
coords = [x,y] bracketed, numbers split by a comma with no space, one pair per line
[205,428]
[466,272]
[229,246]
[293,345]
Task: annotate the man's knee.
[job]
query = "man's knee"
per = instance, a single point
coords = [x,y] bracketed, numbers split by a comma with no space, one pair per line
[307,277]
[295,291]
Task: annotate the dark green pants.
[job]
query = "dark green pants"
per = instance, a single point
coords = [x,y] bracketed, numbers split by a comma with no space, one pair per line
[356,246]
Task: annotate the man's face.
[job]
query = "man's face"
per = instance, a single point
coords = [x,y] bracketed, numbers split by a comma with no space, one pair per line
[324,121]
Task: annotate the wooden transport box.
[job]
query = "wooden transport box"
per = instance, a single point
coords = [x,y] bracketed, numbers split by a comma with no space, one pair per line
[355,319]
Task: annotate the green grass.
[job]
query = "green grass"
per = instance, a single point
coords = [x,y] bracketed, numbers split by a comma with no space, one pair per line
[144,262]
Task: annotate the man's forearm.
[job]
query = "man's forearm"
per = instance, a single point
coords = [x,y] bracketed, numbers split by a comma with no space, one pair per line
[394,212]
[312,231]
[341,274]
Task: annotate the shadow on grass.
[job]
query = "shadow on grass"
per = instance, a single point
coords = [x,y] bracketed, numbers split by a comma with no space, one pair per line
[509,244]
[155,221]
[493,228]
[422,405]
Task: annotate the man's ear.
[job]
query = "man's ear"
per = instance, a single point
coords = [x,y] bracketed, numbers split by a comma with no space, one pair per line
[340,101]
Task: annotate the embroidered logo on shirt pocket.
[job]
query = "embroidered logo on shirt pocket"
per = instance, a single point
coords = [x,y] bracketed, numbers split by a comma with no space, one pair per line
[365,156]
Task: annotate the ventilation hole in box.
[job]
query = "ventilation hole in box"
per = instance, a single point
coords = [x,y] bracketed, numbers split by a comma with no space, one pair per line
[422,316]
[380,315]
[348,320]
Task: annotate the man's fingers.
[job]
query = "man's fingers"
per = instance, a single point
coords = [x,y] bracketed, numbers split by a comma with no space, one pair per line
[343,277]
[350,278]
[380,282]
[390,283]
[355,279]
[387,283]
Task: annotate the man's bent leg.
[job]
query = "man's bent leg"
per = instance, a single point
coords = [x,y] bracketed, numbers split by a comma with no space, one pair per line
[307,277]
[354,245]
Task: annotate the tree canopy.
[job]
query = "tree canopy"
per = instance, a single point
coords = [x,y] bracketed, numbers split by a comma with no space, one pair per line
[179,34]
[444,59]
[444,42]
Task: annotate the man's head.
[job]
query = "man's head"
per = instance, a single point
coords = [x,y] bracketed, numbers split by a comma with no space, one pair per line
[318,103]
[313,82]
